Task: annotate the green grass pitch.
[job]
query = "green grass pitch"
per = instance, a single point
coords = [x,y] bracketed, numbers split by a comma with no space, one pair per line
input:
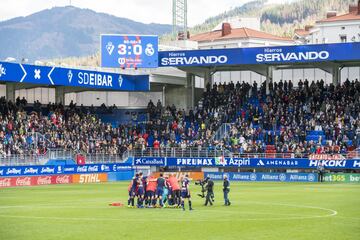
[258,211]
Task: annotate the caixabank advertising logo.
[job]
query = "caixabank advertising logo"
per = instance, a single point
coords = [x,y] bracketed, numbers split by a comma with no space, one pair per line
[149,161]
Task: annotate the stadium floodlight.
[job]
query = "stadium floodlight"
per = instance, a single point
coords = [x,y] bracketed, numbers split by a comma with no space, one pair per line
[10,59]
[180,19]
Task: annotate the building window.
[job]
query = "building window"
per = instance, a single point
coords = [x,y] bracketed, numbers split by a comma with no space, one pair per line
[343,38]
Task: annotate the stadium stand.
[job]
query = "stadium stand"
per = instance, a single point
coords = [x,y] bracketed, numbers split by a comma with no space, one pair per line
[310,118]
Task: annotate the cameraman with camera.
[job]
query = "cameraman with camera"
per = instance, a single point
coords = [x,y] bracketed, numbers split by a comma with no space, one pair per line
[202,184]
[207,185]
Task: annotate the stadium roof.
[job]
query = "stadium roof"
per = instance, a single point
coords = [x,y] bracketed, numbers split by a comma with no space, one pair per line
[236,33]
[353,15]
[302,32]
[345,17]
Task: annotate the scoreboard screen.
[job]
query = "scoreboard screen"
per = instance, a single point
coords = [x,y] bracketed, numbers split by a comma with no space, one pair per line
[129,51]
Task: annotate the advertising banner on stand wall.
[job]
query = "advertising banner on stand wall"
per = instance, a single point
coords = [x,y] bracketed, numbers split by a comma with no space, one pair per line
[264,177]
[342,177]
[35,180]
[90,178]
[14,171]
[180,175]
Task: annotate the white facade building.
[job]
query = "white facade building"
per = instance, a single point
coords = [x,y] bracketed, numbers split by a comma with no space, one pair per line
[230,35]
[334,29]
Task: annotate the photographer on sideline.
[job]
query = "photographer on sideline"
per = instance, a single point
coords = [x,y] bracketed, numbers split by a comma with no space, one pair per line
[321,171]
[210,192]
[226,190]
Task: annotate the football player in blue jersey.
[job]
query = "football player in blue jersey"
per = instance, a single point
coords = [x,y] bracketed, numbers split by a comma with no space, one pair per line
[133,190]
[160,189]
[141,190]
[185,192]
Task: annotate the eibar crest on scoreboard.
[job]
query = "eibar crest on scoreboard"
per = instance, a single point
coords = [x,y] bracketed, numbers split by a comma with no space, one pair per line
[110,47]
[120,80]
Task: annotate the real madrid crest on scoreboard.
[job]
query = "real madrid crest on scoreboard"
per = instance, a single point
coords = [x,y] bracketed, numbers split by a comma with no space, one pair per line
[129,51]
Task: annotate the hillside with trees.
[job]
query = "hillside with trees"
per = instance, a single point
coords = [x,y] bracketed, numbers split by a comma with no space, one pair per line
[279,19]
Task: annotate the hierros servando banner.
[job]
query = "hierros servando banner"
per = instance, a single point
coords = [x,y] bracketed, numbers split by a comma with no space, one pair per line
[261,55]
[67,169]
[265,177]
[294,163]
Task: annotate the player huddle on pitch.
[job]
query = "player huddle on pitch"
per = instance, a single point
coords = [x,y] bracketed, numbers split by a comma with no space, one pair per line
[152,192]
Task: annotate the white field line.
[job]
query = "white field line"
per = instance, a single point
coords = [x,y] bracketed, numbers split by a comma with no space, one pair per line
[331,213]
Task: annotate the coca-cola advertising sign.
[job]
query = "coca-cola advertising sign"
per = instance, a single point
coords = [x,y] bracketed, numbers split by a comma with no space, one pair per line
[63,179]
[5,182]
[25,181]
[46,180]
[35,180]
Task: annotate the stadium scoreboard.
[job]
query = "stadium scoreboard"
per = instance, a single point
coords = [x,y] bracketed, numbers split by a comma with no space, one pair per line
[129,51]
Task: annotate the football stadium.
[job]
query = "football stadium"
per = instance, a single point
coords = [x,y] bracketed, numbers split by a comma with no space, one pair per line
[240,120]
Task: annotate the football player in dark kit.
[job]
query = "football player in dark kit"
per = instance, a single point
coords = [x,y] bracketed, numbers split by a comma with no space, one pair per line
[141,190]
[133,190]
[209,191]
[185,192]
[226,190]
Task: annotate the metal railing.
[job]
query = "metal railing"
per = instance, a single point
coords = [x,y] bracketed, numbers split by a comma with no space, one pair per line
[40,138]
[355,154]
[201,152]
[23,159]
[36,159]
[222,132]
[61,154]
[179,152]
[106,158]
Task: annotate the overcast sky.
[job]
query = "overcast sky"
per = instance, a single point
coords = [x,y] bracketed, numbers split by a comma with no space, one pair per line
[146,11]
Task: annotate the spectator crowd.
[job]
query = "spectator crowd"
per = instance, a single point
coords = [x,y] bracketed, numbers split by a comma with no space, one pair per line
[283,119]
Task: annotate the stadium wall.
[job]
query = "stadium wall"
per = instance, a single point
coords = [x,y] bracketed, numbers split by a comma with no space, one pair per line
[22,181]
[342,177]
[264,177]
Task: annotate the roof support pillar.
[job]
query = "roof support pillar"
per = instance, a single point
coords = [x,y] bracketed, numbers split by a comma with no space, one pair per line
[10,91]
[190,91]
[336,75]
[60,95]
[208,79]
[269,78]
